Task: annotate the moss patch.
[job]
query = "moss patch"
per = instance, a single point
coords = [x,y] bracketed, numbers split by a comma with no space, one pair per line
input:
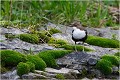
[50,56]
[53,31]
[59,42]
[60,76]
[117,54]
[31,38]
[22,68]
[31,66]
[39,63]
[103,42]
[11,58]
[111,58]
[104,66]
[43,37]
[72,47]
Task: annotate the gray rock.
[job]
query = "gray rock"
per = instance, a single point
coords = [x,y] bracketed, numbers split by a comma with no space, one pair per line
[115,69]
[48,48]
[2,38]
[92,61]
[33,76]
[61,71]
[10,31]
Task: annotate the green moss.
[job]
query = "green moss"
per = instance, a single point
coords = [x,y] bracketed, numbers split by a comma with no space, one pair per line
[53,31]
[104,66]
[103,42]
[43,37]
[117,54]
[31,38]
[39,63]
[111,58]
[32,66]
[49,60]
[22,68]
[49,56]
[10,36]
[60,76]
[57,41]
[72,47]
[11,58]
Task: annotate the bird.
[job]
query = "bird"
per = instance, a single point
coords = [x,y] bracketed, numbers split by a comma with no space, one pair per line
[78,33]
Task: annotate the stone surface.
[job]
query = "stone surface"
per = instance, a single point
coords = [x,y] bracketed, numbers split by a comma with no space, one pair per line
[92,61]
[2,37]
[61,71]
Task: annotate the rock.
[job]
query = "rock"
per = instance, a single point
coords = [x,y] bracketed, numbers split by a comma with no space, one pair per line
[63,36]
[10,75]
[92,61]
[2,38]
[115,70]
[33,76]
[61,71]
[48,48]
[11,30]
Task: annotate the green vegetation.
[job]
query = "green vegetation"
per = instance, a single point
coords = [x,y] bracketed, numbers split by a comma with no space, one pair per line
[49,56]
[43,37]
[10,36]
[60,76]
[111,58]
[31,38]
[117,54]
[39,63]
[11,58]
[103,42]
[31,66]
[25,13]
[59,42]
[72,47]
[22,68]
[104,66]
[53,31]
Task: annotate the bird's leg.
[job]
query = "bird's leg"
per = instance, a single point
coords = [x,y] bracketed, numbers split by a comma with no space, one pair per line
[83,46]
[75,47]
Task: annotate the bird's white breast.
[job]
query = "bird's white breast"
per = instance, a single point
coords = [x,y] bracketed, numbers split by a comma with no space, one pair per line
[79,34]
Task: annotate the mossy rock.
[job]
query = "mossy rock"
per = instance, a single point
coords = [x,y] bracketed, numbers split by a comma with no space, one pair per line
[57,41]
[23,68]
[43,37]
[104,66]
[31,38]
[49,56]
[31,65]
[103,42]
[11,58]
[39,63]
[72,47]
[60,76]
[111,58]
